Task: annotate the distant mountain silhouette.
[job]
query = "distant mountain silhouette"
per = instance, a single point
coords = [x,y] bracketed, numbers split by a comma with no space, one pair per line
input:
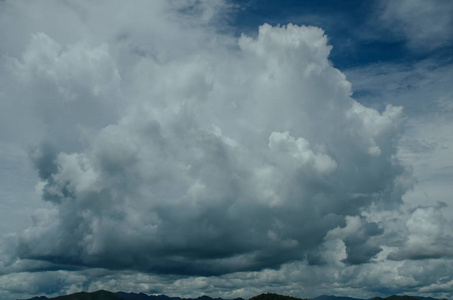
[394,297]
[428,298]
[106,295]
[99,295]
[272,296]
[141,296]
[405,297]
[328,297]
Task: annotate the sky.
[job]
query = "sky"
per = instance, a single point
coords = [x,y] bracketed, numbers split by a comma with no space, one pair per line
[227,148]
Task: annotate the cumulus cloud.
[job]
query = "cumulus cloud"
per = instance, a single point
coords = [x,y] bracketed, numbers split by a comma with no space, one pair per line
[168,151]
[357,239]
[428,236]
[223,163]
[425,92]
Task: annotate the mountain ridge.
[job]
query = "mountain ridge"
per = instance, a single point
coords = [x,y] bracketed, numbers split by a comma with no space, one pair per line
[107,295]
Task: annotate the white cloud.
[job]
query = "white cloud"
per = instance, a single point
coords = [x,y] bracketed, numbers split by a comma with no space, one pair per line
[424,90]
[425,24]
[161,191]
[300,149]
[164,147]
[428,236]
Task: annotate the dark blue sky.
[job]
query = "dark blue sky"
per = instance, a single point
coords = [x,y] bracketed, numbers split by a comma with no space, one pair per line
[350,26]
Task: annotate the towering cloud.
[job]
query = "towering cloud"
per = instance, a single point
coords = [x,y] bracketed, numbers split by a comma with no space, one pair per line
[162,153]
[219,162]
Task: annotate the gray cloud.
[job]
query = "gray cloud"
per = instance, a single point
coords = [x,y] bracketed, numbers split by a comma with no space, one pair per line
[199,179]
[172,157]
[428,236]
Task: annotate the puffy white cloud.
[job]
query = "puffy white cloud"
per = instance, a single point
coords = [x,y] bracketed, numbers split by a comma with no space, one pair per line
[428,236]
[167,152]
[200,175]
[299,149]
[424,90]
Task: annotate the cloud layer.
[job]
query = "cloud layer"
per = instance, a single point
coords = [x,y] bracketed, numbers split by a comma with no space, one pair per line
[170,154]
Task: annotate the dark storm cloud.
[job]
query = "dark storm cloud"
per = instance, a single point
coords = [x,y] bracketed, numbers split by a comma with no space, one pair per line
[43,158]
[361,239]
[357,249]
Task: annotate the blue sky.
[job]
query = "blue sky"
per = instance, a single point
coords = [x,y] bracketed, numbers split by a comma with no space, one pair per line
[226,148]
[350,25]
